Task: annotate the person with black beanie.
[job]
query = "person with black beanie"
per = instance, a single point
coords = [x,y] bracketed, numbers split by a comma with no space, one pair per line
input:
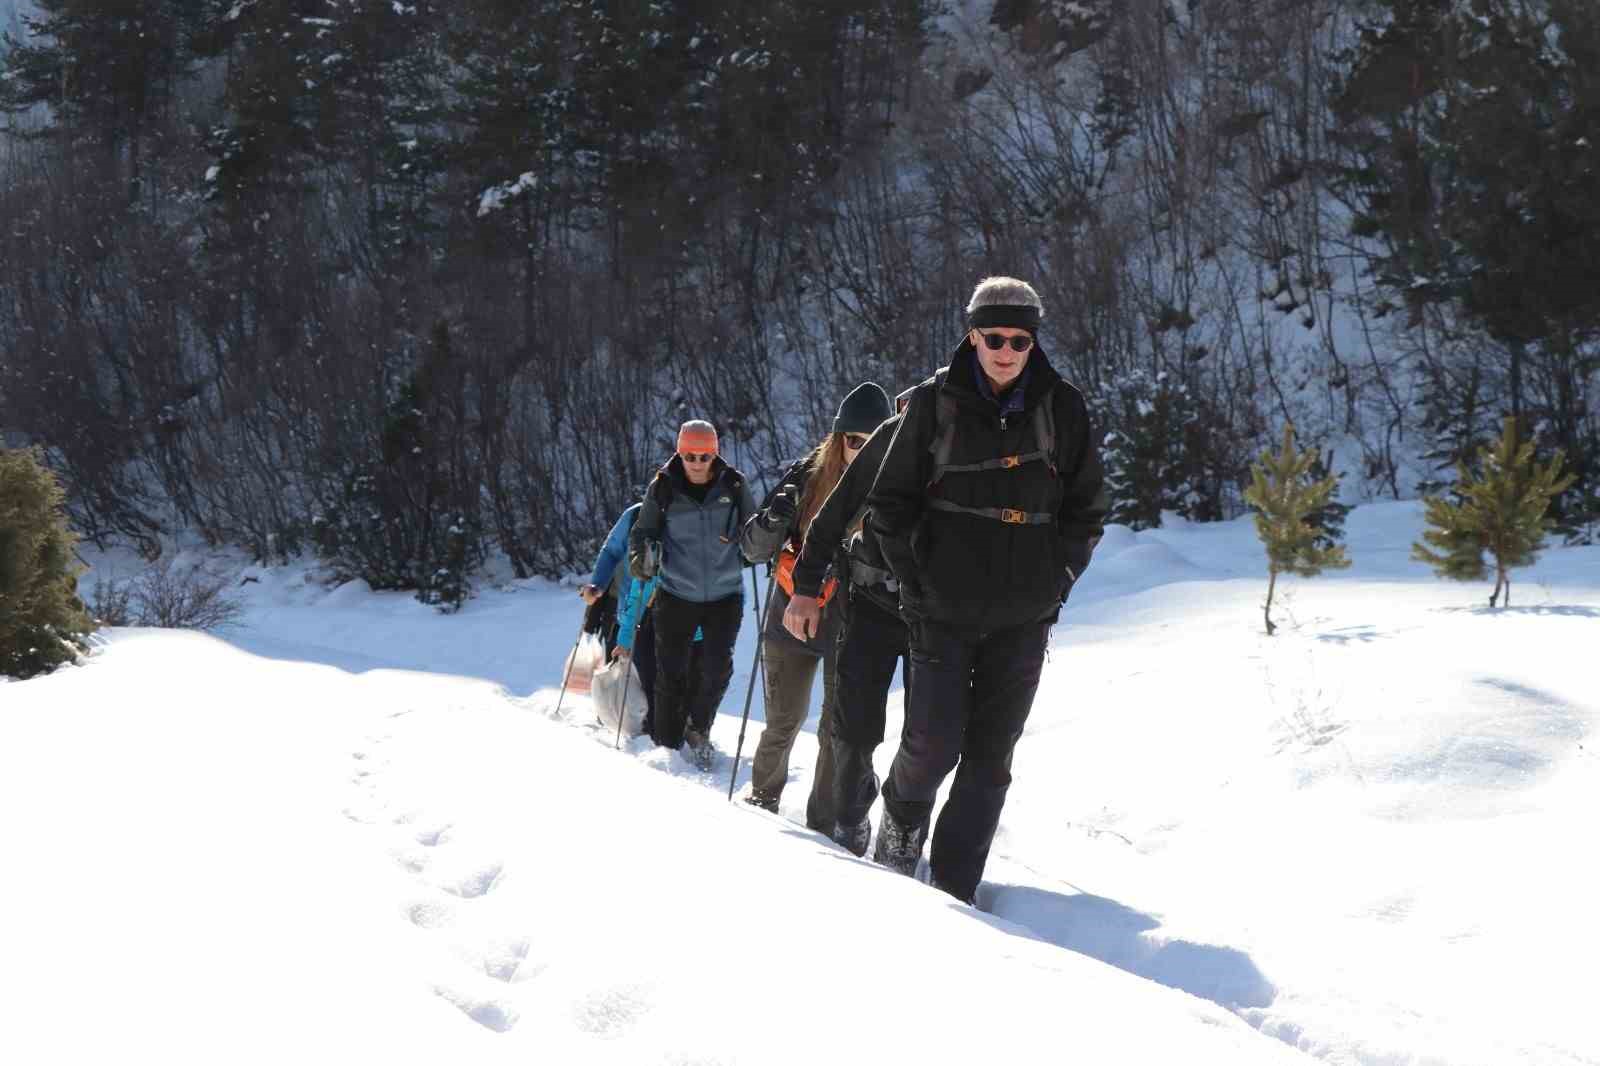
[872,640]
[776,531]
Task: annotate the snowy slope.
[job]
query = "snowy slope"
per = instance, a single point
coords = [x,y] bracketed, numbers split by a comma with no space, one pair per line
[353,828]
[230,858]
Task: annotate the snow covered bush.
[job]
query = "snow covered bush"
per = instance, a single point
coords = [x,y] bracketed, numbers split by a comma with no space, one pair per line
[166,595]
[43,623]
[1158,451]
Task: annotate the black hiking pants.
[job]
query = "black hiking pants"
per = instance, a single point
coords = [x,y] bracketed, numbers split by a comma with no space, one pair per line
[644,663]
[683,698]
[872,642]
[971,692]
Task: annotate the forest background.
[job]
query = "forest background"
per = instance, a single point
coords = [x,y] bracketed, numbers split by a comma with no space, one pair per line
[411,284]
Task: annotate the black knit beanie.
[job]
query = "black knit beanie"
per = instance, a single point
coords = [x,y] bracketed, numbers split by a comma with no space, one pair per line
[1003,301]
[863,411]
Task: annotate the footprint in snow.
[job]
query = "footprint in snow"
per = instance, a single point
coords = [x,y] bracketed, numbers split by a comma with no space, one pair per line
[412,862]
[429,914]
[432,838]
[486,1012]
[475,884]
[509,963]
[607,1012]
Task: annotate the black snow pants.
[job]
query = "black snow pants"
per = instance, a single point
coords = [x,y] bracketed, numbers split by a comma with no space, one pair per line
[872,642]
[970,695]
[682,698]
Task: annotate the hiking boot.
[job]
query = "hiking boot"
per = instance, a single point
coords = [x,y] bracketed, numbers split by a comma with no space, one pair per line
[767,801]
[899,845]
[971,901]
[853,838]
[701,751]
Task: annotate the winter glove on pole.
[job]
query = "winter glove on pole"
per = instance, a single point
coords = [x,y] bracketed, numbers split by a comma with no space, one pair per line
[784,506]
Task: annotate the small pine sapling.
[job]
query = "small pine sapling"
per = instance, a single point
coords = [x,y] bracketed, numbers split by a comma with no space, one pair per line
[1501,509]
[1286,497]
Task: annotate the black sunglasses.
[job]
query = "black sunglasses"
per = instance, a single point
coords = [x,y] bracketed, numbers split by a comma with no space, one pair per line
[855,441]
[1019,343]
[691,457]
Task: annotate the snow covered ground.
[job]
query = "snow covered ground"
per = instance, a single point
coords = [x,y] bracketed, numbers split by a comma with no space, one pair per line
[353,828]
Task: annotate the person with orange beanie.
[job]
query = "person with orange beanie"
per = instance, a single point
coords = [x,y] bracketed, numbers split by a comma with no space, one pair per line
[687,536]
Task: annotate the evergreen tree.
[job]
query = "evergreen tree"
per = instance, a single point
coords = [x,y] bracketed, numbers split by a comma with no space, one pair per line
[107,70]
[1470,130]
[1285,497]
[407,518]
[1502,509]
[43,623]
[1328,520]
[1151,449]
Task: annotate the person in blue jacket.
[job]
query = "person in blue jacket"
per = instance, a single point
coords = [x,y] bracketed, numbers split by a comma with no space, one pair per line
[602,595]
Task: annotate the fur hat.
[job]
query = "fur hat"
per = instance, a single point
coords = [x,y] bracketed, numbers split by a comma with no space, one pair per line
[863,410]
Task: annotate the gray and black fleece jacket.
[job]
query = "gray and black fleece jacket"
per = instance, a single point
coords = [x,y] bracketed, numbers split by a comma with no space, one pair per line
[700,557]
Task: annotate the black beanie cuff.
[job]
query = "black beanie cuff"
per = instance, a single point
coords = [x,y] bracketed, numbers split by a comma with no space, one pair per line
[1017,316]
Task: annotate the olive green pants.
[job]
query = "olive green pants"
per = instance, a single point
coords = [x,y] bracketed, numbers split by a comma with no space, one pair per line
[790,671]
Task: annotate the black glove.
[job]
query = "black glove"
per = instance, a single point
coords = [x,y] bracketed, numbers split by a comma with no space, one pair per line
[910,598]
[784,506]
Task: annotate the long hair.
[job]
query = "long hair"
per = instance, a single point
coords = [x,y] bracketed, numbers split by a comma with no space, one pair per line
[827,465]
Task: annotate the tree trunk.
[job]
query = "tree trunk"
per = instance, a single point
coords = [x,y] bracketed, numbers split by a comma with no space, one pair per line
[1266,610]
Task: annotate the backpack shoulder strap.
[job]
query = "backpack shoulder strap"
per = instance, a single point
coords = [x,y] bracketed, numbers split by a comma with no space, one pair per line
[736,517]
[1044,427]
[944,426]
[661,489]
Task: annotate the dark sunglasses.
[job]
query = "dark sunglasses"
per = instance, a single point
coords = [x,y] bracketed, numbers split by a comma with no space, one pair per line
[692,457]
[855,441]
[995,341]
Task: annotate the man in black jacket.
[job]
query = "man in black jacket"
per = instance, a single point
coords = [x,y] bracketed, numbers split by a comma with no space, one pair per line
[986,508]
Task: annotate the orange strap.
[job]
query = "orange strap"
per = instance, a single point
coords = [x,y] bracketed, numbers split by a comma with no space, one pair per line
[785,577]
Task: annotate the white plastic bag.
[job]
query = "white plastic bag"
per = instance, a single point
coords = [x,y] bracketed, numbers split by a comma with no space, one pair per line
[618,695]
[588,657]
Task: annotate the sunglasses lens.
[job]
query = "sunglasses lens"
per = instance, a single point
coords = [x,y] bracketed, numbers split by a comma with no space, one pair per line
[692,457]
[995,341]
[854,441]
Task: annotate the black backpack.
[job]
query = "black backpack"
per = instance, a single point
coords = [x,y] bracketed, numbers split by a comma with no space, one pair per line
[944,435]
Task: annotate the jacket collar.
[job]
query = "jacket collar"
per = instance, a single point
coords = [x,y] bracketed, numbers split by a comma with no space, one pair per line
[675,471]
[963,382]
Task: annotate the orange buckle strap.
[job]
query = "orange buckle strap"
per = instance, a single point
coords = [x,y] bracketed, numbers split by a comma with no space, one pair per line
[1008,462]
[1016,518]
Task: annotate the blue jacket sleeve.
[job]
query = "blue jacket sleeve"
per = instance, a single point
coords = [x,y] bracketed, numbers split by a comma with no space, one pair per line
[633,601]
[615,548]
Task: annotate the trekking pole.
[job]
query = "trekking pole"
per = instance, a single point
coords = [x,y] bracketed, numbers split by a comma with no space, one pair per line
[750,689]
[627,683]
[568,674]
